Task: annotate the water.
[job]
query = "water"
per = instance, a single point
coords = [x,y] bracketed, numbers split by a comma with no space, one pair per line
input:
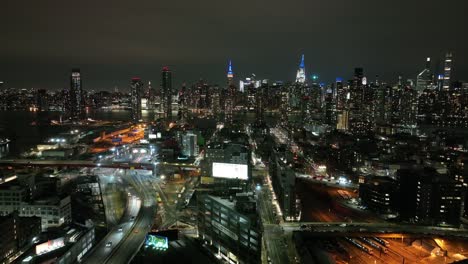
[26,129]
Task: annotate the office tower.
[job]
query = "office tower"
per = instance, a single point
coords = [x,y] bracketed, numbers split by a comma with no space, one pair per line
[359,100]
[301,75]
[340,94]
[136,87]
[42,100]
[260,102]
[329,105]
[447,71]
[424,78]
[150,95]
[216,102]
[284,105]
[230,96]
[166,92]
[74,105]
[183,100]
[189,144]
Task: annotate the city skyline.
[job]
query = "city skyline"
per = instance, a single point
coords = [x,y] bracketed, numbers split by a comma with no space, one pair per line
[436,67]
[113,45]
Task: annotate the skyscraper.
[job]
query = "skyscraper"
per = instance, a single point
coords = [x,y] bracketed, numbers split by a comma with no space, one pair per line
[301,76]
[230,94]
[447,70]
[136,87]
[74,105]
[183,111]
[166,92]
[230,73]
[424,78]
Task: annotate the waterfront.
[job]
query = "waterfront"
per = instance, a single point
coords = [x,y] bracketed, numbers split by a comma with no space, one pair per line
[26,129]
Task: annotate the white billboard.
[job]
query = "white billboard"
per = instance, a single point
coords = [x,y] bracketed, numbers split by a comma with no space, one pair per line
[230,171]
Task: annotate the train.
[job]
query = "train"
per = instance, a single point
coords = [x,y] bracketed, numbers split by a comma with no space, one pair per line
[374,245]
[366,249]
[381,241]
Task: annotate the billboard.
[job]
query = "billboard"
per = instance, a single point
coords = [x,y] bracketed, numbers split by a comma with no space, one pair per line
[156,242]
[49,246]
[230,171]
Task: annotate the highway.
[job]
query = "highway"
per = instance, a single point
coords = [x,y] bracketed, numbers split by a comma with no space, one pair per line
[93,164]
[135,224]
[101,252]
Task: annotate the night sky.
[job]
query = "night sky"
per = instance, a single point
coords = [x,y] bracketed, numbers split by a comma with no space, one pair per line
[111,41]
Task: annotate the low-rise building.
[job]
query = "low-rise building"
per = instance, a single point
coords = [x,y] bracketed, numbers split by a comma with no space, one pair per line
[230,228]
[17,232]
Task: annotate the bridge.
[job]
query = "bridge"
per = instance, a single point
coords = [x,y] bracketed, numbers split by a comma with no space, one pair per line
[371,229]
[93,164]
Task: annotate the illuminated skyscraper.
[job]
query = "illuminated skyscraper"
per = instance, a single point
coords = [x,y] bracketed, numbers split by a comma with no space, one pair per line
[136,87]
[230,73]
[74,105]
[447,71]
[183,111]
[301,76]
[230,95]
[166,92]
[424,78]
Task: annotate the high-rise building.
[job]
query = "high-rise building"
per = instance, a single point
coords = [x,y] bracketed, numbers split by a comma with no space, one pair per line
[136,87]
[183,100]
[447,71]
[230,96]
[42,100]
[424,78]
[301,75]
[74,105]
[230,73]
[166,92]
[189,144]
[260,97]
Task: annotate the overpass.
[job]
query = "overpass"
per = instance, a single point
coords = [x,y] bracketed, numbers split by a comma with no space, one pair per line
[92,164]
[371,229]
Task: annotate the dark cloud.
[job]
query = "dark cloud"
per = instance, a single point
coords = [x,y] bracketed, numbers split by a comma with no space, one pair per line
[113,40]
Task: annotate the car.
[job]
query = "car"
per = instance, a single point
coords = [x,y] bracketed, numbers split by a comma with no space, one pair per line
[120,229]
[109,244]
[132,217]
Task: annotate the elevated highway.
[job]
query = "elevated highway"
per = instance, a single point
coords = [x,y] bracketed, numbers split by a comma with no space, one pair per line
[93,164]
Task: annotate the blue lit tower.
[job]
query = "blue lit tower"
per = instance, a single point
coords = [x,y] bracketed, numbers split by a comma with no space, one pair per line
[136,87]
[230,95]
[301,76]
[230,73]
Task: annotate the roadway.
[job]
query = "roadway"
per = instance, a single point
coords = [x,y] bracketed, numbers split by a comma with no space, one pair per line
[135,224]
[93,164]
[101,252]
[361,229]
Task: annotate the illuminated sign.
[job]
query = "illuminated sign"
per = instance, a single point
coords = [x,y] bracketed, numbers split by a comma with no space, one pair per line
[156,242]
[151,136]
[230,171]
[50,245]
